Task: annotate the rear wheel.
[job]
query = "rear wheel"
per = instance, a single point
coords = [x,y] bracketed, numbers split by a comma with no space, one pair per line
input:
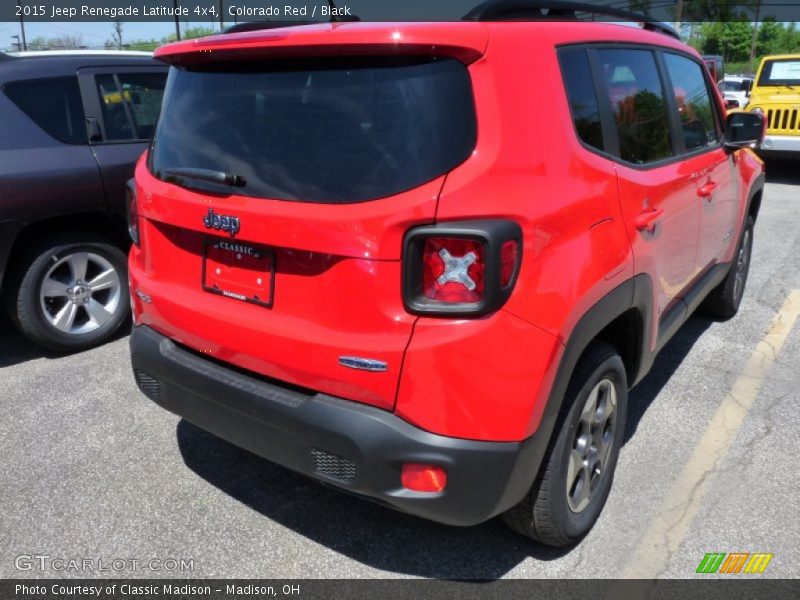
[71,293]
[568,494]
[724,300]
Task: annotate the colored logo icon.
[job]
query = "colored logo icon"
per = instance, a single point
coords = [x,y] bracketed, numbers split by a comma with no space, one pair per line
[733,563]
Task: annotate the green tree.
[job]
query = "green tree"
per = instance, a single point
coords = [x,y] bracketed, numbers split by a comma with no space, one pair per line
[716,11]
[769,39]
[788,40]
[729,39]
[190,33]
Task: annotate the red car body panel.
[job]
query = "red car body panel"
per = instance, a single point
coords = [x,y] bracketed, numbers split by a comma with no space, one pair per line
[337,285]
[338,282]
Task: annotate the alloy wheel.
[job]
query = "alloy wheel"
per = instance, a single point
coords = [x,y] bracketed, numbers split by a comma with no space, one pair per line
[742,260]
[80,293]
[591,448]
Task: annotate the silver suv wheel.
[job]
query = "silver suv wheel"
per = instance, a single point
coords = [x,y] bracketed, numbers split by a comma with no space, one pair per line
[594,438]
[80,293]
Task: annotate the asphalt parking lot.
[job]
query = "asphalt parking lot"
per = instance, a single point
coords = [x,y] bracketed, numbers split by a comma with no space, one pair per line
[92,469]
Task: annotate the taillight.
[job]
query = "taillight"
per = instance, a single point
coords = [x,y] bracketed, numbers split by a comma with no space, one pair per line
[452,270]
[132,211]
[462,268]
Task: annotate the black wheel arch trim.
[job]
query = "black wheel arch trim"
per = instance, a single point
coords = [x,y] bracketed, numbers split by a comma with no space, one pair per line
[755,189]
[9,230]
[635,293]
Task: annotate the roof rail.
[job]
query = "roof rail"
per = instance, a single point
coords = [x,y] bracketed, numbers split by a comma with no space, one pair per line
[509,10]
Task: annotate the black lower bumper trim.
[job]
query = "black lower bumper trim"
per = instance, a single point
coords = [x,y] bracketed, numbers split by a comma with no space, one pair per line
[353,446]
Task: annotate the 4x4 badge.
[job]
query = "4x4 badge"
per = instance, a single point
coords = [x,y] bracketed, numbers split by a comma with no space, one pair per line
[221,222]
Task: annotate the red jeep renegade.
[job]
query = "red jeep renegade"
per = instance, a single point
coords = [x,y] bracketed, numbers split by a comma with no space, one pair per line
[425,262]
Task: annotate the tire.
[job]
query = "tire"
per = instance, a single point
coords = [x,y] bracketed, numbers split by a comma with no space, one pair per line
[48,288]
[724,300]
[555,512]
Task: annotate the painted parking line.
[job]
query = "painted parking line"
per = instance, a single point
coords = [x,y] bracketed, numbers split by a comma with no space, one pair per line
[668,528]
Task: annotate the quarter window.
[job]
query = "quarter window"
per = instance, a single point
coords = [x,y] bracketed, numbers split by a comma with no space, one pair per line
[698,123]
[54,104]
[581,95]
[638,104]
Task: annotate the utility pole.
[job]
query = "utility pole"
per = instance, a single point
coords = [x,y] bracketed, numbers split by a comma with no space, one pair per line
[177,21]
[678,15]
[22,29]
[755,38]
[17,43]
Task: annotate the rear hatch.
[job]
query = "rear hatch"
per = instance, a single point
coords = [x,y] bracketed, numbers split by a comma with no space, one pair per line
[277,191]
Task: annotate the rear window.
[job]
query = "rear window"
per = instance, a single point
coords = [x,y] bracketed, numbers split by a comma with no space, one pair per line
[730,85]
[54,104]
[780,73]
[320,131]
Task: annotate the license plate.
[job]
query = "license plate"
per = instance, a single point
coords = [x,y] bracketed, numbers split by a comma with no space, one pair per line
[239,271]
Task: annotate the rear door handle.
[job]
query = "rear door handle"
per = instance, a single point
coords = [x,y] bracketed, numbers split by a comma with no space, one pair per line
[646,220]
[707,190]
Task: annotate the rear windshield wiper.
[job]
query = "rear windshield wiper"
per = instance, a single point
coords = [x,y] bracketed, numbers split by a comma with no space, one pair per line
[221,177]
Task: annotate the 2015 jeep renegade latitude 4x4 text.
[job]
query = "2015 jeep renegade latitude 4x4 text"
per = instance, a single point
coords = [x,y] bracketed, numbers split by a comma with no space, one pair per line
[425,262]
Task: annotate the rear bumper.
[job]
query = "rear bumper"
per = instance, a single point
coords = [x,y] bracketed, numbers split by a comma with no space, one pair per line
[353,446]
[781,143]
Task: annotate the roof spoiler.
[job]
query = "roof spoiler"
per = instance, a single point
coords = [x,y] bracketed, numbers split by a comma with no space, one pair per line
[533,10]
[466,43]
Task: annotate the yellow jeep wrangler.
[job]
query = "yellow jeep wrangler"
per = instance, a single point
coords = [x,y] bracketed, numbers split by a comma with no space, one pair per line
[776,95]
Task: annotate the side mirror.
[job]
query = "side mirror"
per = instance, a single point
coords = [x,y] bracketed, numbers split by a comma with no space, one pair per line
[731,103]
[744,130]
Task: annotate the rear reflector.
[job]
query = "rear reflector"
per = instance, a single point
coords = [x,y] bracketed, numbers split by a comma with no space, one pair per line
[423,478]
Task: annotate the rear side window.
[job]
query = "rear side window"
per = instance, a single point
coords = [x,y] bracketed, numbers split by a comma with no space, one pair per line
[323,131]
[54,104]
[638,104]
[729,85]
[118,126]
[130,103]
[143,92]
[698,121]
[581,95]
